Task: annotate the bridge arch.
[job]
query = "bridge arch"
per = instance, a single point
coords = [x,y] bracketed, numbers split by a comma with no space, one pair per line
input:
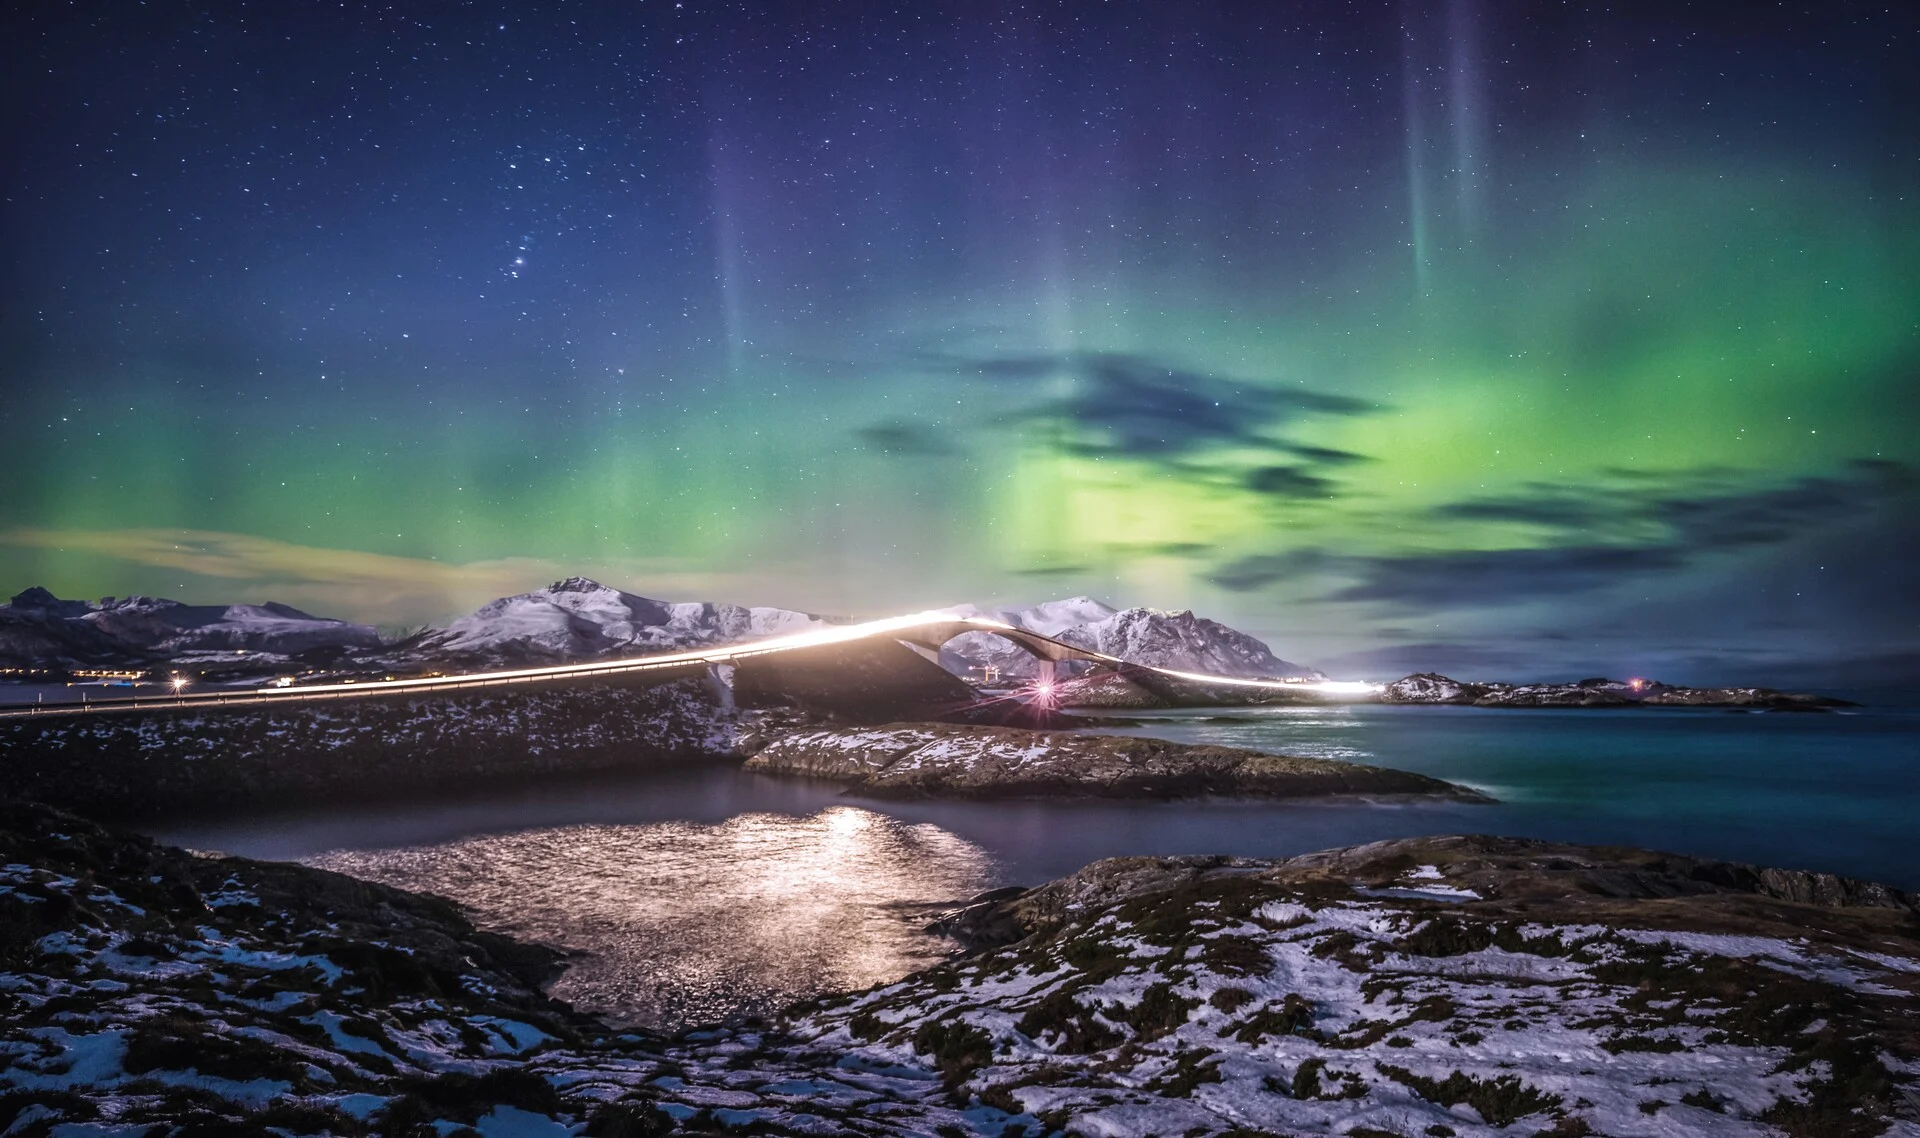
[1050,653]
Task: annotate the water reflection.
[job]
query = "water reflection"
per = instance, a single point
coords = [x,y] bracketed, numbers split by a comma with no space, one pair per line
[700,892]
[686,922]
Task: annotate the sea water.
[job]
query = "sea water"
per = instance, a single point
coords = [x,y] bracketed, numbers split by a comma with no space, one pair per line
[700,893]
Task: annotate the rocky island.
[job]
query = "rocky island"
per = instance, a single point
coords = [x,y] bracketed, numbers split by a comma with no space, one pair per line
[936,760]
[1442,986]
[1430,687]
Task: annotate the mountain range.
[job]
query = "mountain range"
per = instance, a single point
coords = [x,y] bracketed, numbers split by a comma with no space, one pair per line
[581,619]
[574,619]
[38,628]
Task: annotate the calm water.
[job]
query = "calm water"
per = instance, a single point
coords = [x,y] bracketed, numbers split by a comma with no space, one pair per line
[693,895]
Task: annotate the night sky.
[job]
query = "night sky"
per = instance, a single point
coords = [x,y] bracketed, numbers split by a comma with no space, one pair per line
[1513,340]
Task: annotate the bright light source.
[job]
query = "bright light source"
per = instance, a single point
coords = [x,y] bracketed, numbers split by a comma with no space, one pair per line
[179,683]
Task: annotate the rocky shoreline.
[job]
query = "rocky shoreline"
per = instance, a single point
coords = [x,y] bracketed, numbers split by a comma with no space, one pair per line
[1442,986]
[158,762]
[1433,688]
[934,760]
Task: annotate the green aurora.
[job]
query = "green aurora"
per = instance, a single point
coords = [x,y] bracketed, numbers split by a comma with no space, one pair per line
[1561,394]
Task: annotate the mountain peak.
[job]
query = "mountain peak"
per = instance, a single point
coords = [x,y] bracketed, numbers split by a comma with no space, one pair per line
[579,585]
[39,599]
[582,619]
[1178,640]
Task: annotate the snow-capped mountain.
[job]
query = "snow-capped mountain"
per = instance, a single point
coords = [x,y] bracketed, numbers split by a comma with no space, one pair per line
[1177,640]
[37,627]
[579,618]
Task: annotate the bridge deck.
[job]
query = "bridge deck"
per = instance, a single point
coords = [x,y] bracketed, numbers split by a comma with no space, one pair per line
[928,630]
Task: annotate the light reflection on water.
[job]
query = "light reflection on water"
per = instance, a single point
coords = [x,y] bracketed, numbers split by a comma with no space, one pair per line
[687,922]
[707,892]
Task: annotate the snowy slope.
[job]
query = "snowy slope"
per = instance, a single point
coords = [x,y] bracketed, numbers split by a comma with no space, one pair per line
[1176,640]
[579,618]
[1183,642]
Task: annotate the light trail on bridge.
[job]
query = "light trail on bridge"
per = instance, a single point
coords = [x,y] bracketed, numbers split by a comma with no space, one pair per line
[933,629]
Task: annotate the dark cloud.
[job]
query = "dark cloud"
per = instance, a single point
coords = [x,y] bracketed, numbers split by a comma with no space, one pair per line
[1543,506]
[1494,576]
[1712,511]
[1263,569]
[1730,521]
[1289,482]
[909,439]
[1326,456]
[1610,534]
[1121,403]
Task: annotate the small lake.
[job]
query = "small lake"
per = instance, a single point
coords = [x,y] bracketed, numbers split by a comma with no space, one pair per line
[696,894]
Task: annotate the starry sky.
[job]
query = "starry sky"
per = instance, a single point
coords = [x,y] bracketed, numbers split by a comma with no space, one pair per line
[1514,340]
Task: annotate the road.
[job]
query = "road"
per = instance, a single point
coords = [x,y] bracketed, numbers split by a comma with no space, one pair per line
[926,629]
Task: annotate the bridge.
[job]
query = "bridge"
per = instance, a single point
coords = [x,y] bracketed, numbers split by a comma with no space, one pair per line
[925,630]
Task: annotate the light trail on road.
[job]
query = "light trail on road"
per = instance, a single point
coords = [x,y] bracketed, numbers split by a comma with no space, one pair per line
[934,627]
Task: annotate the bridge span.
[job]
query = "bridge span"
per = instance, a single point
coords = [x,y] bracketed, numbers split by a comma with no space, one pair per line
[924,630]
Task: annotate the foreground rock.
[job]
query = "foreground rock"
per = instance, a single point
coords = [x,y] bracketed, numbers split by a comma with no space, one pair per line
[925,760]
[1430,687]
[147,990]
[1451,986]
[1445,986]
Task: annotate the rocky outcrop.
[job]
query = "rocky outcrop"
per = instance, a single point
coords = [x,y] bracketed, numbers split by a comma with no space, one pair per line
[948,761]
[152,763]
[1517,876]
[161,991]
[1431,687]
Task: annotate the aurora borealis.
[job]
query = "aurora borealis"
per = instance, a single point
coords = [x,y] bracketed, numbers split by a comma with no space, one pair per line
[1508,339]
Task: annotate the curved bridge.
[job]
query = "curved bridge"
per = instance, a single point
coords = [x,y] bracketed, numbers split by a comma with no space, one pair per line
[926,630]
